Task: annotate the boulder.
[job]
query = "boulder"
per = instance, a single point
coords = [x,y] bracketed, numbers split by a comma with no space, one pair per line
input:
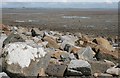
[56,70]
[86,53]
[13,38]
[103,43]
[101,53]
[24,59]
[76,67]
[17,53]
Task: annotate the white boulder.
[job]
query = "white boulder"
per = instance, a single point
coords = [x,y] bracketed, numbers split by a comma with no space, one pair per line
[22,53]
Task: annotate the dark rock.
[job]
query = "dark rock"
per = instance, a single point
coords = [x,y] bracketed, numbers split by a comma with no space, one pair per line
[56,70]
[12,38]
[98,55]
[33,33]
[67,47]
[118,66]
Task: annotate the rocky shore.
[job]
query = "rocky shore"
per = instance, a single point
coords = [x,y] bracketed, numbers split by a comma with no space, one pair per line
[31,52]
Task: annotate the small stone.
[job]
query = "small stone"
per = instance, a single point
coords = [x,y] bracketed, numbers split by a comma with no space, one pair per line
[71,72]
[27,33]
[33,33]
[22,30]
[42,72]
[4,75]
[72,56]
[109,62]
[67,47]
[75,49]
[85,38]
[102,75]
[61,55]
[113,71]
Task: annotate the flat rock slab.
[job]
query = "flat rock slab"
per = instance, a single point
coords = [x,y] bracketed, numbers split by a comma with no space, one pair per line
[102,75]
[98,66]
[56,70]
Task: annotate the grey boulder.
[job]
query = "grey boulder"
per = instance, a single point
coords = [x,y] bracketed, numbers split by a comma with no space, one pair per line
[79,67]
[13,38]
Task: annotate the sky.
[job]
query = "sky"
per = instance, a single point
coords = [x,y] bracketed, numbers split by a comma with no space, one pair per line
[108,1]
[12,3]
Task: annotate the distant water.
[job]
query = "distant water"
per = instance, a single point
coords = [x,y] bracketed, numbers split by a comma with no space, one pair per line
[78,17]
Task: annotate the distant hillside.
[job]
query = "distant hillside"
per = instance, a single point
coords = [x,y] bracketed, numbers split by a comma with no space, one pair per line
[59,5]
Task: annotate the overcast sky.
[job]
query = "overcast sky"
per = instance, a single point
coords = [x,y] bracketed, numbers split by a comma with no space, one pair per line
[108,1]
